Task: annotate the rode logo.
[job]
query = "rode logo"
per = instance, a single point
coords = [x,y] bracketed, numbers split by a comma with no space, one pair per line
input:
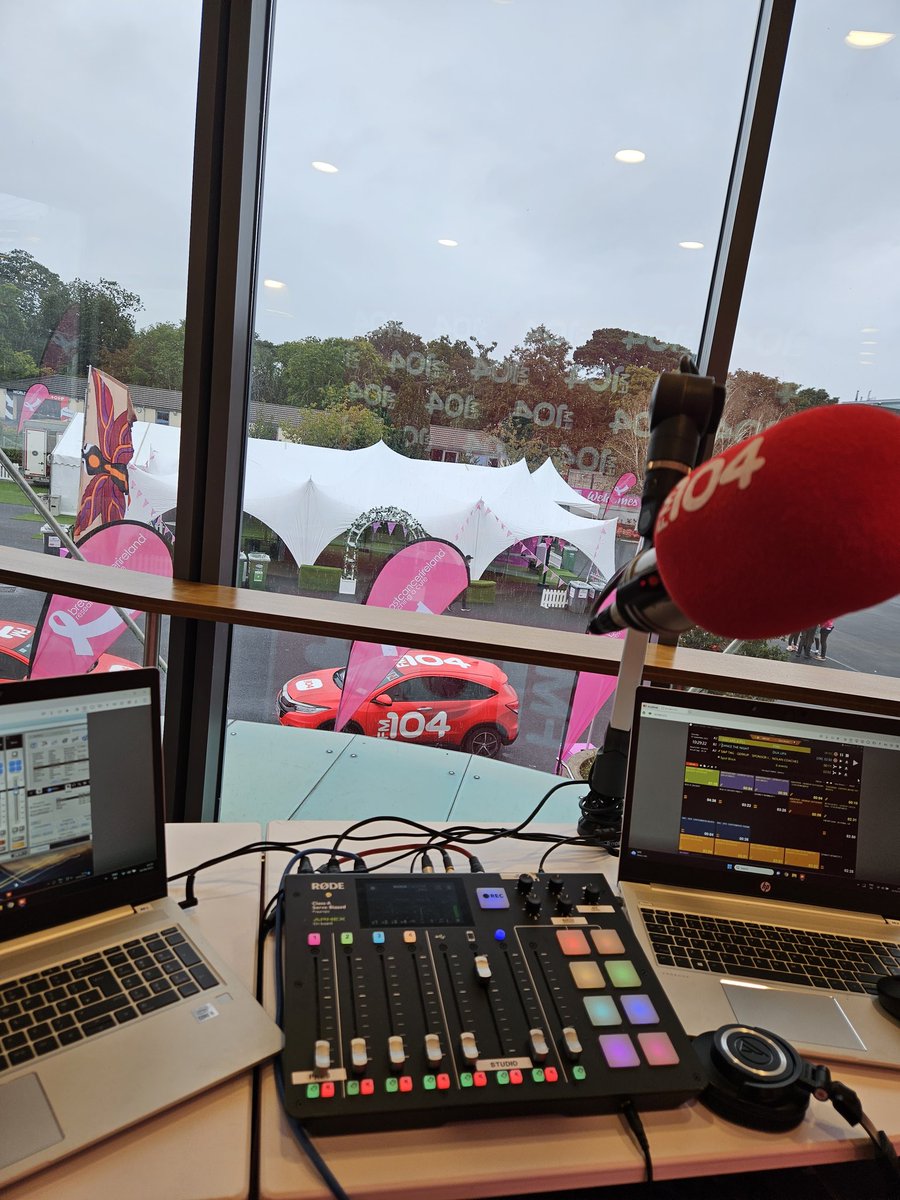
[327,887]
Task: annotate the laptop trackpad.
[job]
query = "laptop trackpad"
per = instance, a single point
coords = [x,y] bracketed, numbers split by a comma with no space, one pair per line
[28,1123]
[804,1018]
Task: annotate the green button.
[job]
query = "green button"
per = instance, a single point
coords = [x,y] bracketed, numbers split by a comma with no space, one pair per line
[537,1075]
[346,939]
[430,1083]
[579,1073]
[466,1079]
[622,973]
[312,1091]
[352,1087]
[503,1076]
[391,1084]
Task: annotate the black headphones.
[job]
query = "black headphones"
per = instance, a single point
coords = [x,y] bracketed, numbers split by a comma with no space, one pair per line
[758,1079]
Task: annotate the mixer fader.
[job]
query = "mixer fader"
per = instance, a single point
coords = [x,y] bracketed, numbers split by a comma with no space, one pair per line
[416,999]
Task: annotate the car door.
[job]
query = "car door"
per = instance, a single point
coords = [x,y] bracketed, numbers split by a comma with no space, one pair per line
[416,713]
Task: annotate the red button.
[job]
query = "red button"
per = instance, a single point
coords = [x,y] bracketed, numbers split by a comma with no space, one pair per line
[480,1079]
[406,1083]
[327,1090]
[515,1077]
[551,1074]
[443,1082]
[367,1086]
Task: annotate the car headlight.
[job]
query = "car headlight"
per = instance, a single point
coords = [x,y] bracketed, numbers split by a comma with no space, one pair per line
[297,707]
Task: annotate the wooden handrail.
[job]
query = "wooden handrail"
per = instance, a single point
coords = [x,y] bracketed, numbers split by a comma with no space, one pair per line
[487,639]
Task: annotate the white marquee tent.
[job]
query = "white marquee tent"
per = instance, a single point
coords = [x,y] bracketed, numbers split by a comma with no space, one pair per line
[310,495]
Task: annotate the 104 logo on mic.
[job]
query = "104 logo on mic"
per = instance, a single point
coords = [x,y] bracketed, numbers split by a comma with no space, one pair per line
[699,487]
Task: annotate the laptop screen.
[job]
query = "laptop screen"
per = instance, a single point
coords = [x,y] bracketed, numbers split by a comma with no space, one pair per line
[80,800]
[762,799]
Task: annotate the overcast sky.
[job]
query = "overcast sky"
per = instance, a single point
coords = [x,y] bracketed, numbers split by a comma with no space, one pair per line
[493,124]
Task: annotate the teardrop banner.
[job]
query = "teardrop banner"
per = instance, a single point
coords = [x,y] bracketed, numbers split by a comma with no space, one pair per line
[72,634]
[589,693]
[424,576]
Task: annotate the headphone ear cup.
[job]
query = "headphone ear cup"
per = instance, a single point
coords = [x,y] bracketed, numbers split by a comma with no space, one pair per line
[736,1092]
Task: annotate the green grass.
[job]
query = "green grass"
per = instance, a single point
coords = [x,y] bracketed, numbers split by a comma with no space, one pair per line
[11,493]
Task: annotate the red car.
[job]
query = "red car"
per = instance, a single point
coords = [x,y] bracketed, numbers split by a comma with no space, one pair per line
[15,653]
[428,697]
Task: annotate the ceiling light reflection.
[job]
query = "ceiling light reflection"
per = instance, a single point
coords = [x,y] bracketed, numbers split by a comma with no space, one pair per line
[325,167]
[865,39]
[447,242]
[273,283]
[630,156]
[691,245]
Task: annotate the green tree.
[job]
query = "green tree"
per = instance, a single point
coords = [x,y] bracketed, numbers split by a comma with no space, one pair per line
[343,426]
[107,320]
[312,365]
[153,358]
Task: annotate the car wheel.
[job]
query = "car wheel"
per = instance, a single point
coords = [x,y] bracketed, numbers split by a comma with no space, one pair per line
[483,740]
[350,727]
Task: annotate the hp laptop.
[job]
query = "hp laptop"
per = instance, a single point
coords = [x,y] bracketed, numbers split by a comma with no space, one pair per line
[760,866]
[111,1005]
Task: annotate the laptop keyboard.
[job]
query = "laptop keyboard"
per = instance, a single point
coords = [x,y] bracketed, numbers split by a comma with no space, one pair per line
[772,952]
[79,998]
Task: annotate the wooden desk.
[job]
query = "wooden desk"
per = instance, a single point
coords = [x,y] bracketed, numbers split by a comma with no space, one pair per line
[549,1154]
[199,1150]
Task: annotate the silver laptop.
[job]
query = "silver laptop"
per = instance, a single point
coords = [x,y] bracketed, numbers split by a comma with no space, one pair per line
[111,1006]
[760,866]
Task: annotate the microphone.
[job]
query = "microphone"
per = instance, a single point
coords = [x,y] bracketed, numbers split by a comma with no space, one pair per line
[768,536]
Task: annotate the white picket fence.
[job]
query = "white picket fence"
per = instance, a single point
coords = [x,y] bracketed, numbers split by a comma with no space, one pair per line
[554,597]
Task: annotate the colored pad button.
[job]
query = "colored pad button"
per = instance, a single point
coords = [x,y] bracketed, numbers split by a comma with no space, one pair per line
[443,1081]
[579,1073]
[618,1050]
[639,1010]
[537,1074]
[587,975]
[429,1083]
[367,1086]
[601,1010]
[572,941]
[551,1074]
[346,939]
[378,937]
[314,939]
[479,1078]
[312,1091]
[622,973]
[607,941]
[352,1087]
[391,1084]
[658,1050]
[409,936]
[327,1090]
[515,1076]
[406,1083]
[466,1079]
[503,1077]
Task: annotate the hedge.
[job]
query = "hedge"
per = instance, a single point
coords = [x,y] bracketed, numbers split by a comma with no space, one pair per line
[319,579]
[481,591]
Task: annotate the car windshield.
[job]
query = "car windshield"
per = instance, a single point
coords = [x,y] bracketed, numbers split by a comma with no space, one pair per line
[338,678]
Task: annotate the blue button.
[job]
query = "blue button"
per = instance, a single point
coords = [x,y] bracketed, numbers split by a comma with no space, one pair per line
[500,935]
[378,937]
[492,897]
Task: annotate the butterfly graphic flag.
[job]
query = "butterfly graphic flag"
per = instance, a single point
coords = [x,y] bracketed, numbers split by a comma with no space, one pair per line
[105,453]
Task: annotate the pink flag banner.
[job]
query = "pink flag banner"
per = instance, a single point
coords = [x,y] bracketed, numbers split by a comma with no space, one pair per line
[589,694]
[32,401]
[623,484]
[72,634]
[424,576]
[106,451]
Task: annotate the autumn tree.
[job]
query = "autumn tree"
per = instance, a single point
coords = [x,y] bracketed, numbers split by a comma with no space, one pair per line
[343,426]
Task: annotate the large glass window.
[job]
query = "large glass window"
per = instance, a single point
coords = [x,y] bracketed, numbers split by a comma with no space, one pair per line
[486,227]
[98,109]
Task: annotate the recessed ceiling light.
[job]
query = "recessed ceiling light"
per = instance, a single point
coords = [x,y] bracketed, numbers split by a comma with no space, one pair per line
[872,343]
[447,242]
[630,156]
[869,329]
[324,167]
[865,39]
[866,362]
[273,283]
[691,245]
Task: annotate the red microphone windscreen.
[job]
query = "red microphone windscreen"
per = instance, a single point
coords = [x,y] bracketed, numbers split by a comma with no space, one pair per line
[788,528]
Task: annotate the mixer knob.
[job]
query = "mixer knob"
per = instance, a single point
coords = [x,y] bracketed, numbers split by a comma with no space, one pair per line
[539,1047]
[571,1043]
[322,1055]
[532,905]
[564,903]
[396,1052]
[591,893]
[555,883]
[482,968]
[433,1051]
[358,1057]
[525,884]
[469,1046]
